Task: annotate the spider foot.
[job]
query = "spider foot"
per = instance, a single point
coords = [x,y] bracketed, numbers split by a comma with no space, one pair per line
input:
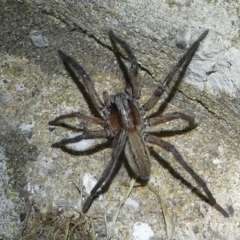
[223,211]
[52,123]
[57,145]
[57,122]
[193,125]
[230,210]
[88,203]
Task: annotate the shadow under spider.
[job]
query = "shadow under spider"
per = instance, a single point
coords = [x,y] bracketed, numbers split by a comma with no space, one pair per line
[176,175]
[165,164]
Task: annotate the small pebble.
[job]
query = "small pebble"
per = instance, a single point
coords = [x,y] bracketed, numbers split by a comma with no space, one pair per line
[38,38]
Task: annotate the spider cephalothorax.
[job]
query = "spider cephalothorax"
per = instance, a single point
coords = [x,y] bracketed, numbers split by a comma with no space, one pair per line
[123,122]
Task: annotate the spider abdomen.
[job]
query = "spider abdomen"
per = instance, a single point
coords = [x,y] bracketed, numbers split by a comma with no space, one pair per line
[137,156]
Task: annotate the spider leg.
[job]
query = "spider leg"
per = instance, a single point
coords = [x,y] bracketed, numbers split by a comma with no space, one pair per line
[134,69]
[78,115]
[170,148]
[118,145]
[78,70]
[160,89]
[170,117]
[83,136]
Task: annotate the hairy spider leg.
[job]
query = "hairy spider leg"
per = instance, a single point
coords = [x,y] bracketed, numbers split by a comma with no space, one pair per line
[160,89]
[85,135]
[170,117]
[123,67]
[170,148]
[88,83]
[134,69]
[95,120]
[117,147]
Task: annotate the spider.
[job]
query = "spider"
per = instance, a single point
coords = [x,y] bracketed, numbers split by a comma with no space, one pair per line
[124,124]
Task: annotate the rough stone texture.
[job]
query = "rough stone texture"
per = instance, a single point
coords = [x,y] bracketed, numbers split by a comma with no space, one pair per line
[35,88]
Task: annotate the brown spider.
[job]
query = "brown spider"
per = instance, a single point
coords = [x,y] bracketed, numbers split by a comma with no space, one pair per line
[124,124]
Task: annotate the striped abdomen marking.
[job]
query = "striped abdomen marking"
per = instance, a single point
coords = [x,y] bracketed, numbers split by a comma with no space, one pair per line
[137,155]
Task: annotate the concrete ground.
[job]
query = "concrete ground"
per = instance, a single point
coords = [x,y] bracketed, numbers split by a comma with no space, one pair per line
[39,199]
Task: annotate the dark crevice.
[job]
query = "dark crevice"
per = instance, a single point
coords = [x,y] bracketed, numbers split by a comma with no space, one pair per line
[214,114]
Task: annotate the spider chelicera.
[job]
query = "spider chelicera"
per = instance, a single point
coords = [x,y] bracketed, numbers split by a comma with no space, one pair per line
[123,122]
